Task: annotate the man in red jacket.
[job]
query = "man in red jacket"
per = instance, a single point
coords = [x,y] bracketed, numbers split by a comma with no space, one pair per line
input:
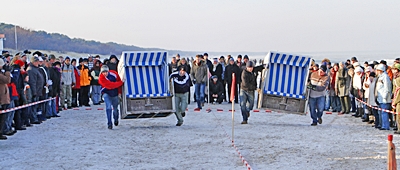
[111,88]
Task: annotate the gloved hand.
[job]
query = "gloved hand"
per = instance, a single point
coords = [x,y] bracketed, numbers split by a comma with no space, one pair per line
[194,81]
[312,87]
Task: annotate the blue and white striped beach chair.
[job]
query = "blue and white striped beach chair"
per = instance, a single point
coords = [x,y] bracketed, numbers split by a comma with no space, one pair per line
[146,88]
[285,82]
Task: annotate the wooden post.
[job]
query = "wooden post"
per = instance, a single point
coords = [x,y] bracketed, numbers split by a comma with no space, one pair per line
[392,165]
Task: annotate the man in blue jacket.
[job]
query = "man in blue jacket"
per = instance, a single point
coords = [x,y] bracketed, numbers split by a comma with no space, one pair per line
[182,83]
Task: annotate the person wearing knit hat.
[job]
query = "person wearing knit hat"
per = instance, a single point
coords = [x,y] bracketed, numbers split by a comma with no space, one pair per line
[85,79]
[383,95]
[113,63]
[318,83]
[111,83]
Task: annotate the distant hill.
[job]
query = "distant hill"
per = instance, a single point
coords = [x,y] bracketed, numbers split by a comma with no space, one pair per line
[62,44]
[31,39]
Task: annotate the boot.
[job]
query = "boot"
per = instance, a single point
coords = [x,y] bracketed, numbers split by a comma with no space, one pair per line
[356,113]
[360,112]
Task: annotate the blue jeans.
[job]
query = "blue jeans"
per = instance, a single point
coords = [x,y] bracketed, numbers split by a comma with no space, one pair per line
[316,108]
[335,103]
[246,103]
[111,103]
[200,90]
[180,105]
[327,102]
[96,94]
[9,117]
[384,116]
[53,111]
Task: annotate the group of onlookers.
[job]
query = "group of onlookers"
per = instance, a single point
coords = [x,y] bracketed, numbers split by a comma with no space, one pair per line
[210,80]
[36,77]
[349,86]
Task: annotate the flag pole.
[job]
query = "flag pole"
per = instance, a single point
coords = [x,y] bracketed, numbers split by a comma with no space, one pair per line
[232,99]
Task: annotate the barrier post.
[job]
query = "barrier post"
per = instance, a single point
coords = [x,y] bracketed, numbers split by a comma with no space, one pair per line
[232,99]
[392,165]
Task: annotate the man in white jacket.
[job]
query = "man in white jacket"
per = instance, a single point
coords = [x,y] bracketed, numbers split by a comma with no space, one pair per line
[383,93]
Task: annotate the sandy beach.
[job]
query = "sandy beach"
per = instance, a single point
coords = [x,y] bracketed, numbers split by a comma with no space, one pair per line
[81,140]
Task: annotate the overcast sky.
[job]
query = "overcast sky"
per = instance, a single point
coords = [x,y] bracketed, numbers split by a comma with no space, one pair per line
[218,25]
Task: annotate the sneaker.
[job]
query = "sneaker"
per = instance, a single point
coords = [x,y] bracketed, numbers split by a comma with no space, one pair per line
[183,114]
[109,126]
[179,124]
[116,122]
[197,109]
[320,120]
[244,122]
[313,124]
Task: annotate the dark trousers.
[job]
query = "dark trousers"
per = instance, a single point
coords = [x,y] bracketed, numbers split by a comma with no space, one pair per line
[84,95]
[236,92]
[353,104]
[2,119]
[18,116]
[75,97]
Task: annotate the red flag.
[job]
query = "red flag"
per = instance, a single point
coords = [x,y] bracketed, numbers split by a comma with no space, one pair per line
[233,87]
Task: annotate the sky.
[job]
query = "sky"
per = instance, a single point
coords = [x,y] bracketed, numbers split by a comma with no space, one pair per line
[218,25]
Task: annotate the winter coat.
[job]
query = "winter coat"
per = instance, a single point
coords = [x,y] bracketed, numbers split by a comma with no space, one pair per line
[55,76]
[228,73]
[46,76]
[36,80]
[217,71]
[77,75]
[319,84]
[85,78]
[216,88]
[5,78]
[27,94]
[396,94]
[248,83]
[95,73]
[181,83]
[383,89]
[113,66]
[111,84]
[343,82]
[172,67]
[68,74]
[186,66]
[371,96]
[199,72]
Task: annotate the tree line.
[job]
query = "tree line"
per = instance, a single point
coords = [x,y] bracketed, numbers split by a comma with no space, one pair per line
[41,40]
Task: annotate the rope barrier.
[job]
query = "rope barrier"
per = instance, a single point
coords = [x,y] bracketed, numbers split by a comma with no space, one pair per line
[376,108]
[25,106]
[233,144]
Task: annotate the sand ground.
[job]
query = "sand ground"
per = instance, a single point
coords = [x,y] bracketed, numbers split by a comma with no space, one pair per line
[81,140]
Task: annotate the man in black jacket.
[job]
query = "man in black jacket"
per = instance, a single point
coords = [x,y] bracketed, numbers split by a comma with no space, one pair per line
[247,88]
[216,90]
[182,83]
[36,82]
[232,68]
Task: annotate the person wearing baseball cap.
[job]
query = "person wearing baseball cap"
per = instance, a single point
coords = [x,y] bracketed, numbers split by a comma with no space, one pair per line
[383,95]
